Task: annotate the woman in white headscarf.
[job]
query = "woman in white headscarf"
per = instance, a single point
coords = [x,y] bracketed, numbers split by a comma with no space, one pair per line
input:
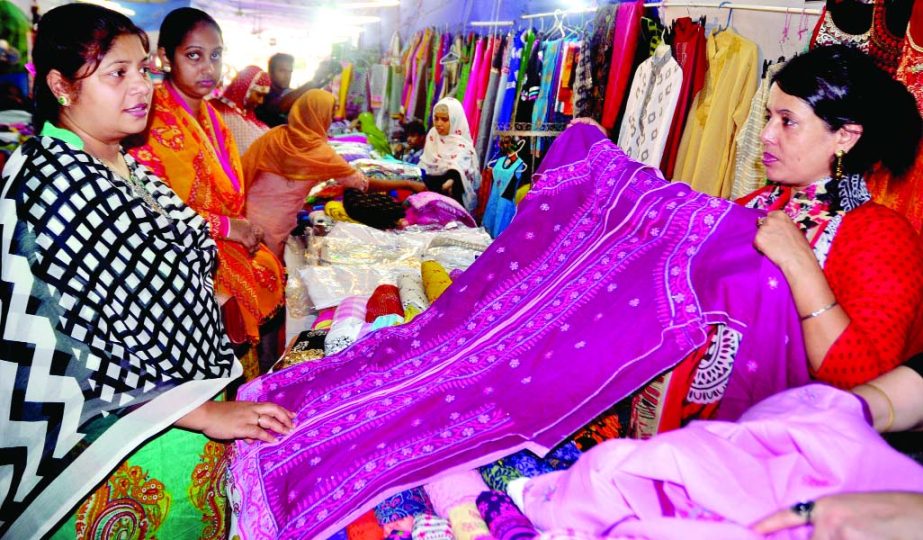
[449,160]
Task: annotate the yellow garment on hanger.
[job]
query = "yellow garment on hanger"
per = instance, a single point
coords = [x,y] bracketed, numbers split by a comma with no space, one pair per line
[707,151]
[345,79]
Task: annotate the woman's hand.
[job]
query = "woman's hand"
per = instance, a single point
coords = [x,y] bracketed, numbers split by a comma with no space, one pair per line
[856,516]
[779,239]
[590,122]
[249,420]
[245,233]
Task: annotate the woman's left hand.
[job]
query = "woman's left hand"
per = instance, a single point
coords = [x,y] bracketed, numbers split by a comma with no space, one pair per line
[783,242]
[248,420]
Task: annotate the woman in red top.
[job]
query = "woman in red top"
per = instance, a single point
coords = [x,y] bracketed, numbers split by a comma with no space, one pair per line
[855,267]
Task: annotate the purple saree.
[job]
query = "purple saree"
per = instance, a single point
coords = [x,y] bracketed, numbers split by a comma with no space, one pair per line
[607,277]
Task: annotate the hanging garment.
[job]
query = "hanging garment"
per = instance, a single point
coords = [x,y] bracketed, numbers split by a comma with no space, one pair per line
[714,479]
[689,52]
[500,208]
[905,194]
[468,49]
[378,88]
[470,377]
[564,95]
[749,171]
[583,81]
[432,75]
[486,68]
[111,328]
[650,107]
[544,102]
[623,50]
[499,100]
[884,46]
[601,51]
[474,78]
[827,33]
[195,154]
[706,154]
[529,87]
[489,102]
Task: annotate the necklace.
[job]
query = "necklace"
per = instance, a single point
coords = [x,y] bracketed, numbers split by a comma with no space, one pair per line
[135,184]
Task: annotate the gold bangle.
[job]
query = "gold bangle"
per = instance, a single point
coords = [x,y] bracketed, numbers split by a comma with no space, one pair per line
[820,311]
[890,406]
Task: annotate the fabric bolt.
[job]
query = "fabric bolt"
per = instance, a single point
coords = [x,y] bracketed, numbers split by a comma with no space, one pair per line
[378,210]
[195,154]
[347,323]
[650,107]
[625,40]
[386,300]
[240,119]
[308,347]
[706,154]
[337,211]
[413,296]
[454,489]
[324,319]
[366,527]
[435,280]
[469,378]
[454,151]
[713,479]
[467,523]
[879,284]
[689,50]
[504,520]
[430,527]
[400,528]
[827,33]
[430,208]
[385,321]
[501,208]
[101,276]
[749,171]
[406,504]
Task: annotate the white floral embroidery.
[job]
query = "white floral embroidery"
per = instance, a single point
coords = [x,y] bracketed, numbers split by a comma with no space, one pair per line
[359,484]
[545,207]
[314,461]
[483,419]
[526,380]
[514,363]
[773,283]
[467,432]
[580,345]
[565,327]
[611,287]
[449,398]
[634,302]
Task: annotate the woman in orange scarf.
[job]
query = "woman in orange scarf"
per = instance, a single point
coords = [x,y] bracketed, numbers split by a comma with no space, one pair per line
[283,165]
[190,148]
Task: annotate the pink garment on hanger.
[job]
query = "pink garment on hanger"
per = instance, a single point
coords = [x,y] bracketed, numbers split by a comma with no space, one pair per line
[471,92]
[624,43]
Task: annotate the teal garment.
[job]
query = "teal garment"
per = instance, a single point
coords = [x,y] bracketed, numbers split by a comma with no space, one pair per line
[385,321]
[375,136]
[501,207]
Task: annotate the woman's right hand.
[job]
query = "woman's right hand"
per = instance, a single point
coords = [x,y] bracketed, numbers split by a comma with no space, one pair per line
[245,233]
[248,420]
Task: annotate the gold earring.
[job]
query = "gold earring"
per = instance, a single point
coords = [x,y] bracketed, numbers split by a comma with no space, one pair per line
[839,164]
[166,68]
[64,101]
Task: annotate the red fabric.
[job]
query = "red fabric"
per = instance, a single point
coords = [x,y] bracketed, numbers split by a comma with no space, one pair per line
[487,180]
[689,52]
[366,527]
[386,300]
[624,43]
[875,268]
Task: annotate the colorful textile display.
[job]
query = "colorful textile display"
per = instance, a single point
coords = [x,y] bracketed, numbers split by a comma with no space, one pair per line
[600,239]
[503,518]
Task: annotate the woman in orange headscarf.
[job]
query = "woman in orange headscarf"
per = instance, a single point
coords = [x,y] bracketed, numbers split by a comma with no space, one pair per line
[190,148]
[283,165]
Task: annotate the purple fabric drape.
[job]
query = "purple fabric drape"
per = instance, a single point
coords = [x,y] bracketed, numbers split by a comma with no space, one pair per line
[608,276]
[714,479]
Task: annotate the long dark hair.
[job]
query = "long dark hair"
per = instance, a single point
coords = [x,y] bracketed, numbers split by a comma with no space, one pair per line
[177,24]
[73,39]
[844,86]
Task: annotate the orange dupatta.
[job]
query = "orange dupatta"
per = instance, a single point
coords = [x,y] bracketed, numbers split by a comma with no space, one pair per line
[195,154]
[298,150]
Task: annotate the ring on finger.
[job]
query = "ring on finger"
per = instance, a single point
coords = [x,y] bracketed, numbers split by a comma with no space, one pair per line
[760,221]
[259,420]
[804,510]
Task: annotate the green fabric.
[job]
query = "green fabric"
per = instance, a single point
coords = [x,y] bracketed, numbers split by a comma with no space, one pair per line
[66,135]
[14,28]
[431,85]
[375,136]
[524,62]
[171,487]
[468,57]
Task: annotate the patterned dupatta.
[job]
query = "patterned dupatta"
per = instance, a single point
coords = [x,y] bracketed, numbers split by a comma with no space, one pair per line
[609,277]
[197,156]
[110,328]
[818,209]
